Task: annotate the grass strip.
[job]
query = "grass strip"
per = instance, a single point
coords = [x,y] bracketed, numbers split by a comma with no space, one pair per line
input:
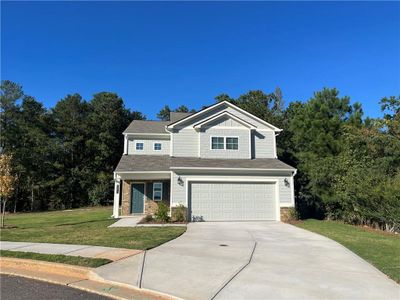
[57,258]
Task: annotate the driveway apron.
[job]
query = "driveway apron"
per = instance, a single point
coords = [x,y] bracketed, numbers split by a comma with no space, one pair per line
[260,260]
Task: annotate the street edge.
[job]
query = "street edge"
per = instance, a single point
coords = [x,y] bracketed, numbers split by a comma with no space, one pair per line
[84,273]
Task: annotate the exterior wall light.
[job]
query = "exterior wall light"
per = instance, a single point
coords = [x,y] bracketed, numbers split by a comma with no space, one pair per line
[286,181]
[180,181]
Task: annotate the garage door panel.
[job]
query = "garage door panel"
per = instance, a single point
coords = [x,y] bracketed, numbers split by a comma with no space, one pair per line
[212,201]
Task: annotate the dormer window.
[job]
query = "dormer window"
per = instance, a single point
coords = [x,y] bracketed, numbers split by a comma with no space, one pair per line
[157,146]
[139,146]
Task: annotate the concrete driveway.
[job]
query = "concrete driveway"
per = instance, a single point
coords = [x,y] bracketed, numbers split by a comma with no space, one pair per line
[258,260]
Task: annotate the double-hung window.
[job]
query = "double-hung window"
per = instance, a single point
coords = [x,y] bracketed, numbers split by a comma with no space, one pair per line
[157,146]
[228,143]
[157,191]
[232,143]
[139,146]
[217,142]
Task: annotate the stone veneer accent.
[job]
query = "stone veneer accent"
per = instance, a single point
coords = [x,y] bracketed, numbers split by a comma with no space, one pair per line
[126,198]
[150,207]
[286,214]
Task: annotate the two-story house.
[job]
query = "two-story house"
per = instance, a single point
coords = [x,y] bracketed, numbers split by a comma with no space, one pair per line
[220,163]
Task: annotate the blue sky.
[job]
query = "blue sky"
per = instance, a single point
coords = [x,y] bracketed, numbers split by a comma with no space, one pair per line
[175,53]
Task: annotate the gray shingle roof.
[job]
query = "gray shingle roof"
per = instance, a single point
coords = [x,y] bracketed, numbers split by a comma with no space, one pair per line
[166,163]
[144,126]
[258,163]
[141,126]
[144,163]
[176,116]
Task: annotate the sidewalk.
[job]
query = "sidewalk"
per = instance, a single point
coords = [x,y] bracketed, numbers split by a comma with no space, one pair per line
[110,253]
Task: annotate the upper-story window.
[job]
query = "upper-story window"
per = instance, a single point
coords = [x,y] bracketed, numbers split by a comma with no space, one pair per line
[157,191]
[139,146]
[217,142]
[157,146]
[228,143]
[232,143]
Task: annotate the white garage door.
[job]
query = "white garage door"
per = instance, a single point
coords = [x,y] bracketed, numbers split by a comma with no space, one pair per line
[232,201]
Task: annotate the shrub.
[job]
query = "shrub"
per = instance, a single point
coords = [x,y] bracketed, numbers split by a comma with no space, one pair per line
[292,214]
[148,218]
[179,213]
[161,214]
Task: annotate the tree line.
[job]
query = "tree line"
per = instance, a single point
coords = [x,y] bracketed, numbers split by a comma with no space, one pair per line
[348,165]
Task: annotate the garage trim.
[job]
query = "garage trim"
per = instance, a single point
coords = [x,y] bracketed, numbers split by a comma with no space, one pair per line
[238,180]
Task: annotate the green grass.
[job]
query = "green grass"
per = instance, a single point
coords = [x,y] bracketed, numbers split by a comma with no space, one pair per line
[58,258]
[86,226]
[379,248]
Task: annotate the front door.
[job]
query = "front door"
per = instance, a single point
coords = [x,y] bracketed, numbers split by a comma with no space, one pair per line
[137,203]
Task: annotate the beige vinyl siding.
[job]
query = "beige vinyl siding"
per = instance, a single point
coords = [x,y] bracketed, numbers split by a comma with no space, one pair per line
[148,147]
[224,122]
[263,144]
[242,134]
[185,143]
[285,192]
[178,192]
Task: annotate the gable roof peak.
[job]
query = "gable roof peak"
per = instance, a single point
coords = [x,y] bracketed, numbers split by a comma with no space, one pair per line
[276,129]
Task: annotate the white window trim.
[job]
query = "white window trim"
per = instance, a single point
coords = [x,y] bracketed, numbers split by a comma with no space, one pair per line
[217,136]
[154,146]
[232,137]
[136,143]
[224,137]
[154,183]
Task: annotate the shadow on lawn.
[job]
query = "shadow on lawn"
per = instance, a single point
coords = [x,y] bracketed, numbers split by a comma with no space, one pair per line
[80,223]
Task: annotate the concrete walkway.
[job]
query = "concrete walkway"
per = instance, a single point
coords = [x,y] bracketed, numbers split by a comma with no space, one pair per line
[71,250]
[130,221]
[252,260]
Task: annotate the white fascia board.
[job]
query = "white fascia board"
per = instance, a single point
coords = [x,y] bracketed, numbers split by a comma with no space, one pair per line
[144,134]
[232,106]
[142,172]
[243,122]
[196,114]
[223,179]
[229,169]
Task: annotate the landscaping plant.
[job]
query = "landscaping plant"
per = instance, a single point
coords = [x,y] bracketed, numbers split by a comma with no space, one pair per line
[179,213]
[6,183]
[161,214]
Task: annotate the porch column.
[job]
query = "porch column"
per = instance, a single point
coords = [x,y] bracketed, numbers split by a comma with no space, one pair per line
[117,183]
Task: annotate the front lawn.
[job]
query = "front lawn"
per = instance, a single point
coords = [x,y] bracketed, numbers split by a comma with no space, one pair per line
[58,258]
[379,248]
[86,226]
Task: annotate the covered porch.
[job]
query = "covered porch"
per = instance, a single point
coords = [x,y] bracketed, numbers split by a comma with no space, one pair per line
[141,193]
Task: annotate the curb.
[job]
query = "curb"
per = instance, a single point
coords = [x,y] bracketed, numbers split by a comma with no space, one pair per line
[74,276]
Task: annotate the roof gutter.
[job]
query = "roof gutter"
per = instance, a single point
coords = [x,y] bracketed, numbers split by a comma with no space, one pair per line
[231,169]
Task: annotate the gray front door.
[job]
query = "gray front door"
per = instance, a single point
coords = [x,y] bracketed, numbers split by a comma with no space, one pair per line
[137,203]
